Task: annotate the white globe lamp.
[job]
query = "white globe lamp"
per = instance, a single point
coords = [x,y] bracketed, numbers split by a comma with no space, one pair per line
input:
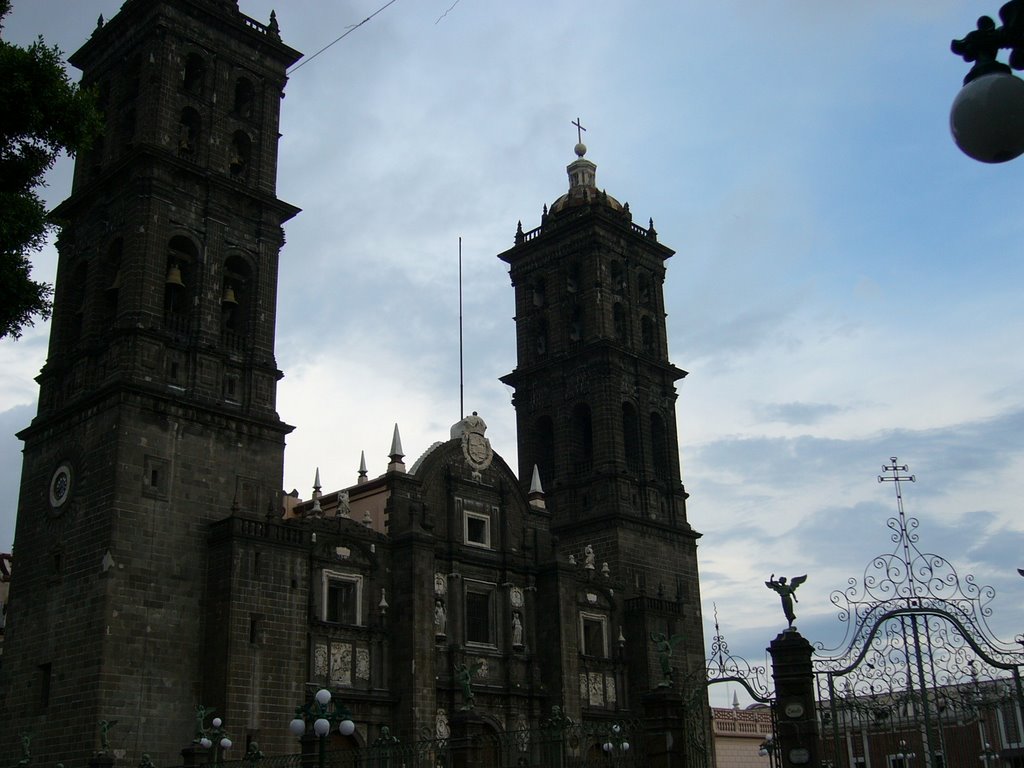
[987,118]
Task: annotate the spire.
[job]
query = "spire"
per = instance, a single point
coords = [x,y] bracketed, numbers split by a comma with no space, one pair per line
[362,468]
[316,510]
[535,486]
[396,455]
[536,494]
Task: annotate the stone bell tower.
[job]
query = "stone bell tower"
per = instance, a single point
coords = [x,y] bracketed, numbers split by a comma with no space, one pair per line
[595,408]
[157,410]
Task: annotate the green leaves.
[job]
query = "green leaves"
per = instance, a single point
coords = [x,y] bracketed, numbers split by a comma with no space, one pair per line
[42,113]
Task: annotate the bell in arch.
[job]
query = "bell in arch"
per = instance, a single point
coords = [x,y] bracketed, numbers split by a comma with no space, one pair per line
[174,276]
[229,295]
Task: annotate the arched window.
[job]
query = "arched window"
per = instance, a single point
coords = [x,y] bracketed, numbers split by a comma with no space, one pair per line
[542,336]
[618,277]
[179,283]
[132,73]
[112,281]
[572,278]
[631,436]
[193,77]
[619,321]
[647,334]
[644,289]
[576,324]
[244,97]
[189,131]
[236,301]
[582,438]
[659,447]
[76,300]
[538,292]
[241,154]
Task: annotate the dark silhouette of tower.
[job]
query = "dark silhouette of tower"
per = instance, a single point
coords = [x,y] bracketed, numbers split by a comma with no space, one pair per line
[157,400]
[595,409]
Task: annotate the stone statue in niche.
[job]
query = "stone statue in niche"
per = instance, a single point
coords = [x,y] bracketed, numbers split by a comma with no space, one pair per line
[440,619]
[517,630]
[441,725]
[588,558]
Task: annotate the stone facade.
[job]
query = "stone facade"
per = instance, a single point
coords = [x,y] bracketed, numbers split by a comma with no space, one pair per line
[160,568]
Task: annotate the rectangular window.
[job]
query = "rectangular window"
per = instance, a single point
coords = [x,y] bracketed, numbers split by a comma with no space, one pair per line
[155,475]
[255,628]
[477,529]
[342,598]
[480,614]
[476,521]
[593,635]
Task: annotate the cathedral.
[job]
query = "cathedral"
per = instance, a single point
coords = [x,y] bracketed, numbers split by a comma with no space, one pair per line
[160,566]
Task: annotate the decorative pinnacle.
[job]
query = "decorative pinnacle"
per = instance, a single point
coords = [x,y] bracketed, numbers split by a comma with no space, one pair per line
[396,454]
[535,486]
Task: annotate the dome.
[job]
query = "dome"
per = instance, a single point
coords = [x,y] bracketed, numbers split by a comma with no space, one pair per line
[583,185]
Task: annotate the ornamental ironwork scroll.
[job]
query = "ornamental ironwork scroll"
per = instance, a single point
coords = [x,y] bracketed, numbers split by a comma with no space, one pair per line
[919,674]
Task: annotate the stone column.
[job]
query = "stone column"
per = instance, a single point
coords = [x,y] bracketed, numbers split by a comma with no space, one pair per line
[797,723]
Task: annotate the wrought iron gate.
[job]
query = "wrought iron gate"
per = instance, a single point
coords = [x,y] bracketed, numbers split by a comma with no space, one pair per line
[920,681]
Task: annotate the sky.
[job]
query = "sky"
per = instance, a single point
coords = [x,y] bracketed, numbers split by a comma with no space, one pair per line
[846,287]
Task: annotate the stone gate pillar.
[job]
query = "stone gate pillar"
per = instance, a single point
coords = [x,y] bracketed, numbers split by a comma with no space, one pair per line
[663,729]
[797,723]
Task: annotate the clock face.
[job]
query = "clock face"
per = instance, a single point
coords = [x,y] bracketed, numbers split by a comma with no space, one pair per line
[60,486]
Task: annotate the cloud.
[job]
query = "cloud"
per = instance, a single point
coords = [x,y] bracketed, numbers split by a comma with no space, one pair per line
[797,413]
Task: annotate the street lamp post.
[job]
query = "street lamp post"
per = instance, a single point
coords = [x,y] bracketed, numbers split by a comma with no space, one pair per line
[987,118]
[220,738]
[616,743]
[324,713]
[989,758]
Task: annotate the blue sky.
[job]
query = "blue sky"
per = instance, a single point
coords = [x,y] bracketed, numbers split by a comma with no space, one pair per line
[846,286]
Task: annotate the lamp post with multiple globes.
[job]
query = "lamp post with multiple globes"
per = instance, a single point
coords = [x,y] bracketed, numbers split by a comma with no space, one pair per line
[323,713]
[219,737]
[616,743]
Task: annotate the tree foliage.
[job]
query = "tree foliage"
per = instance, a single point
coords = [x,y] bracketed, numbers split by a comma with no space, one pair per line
[41,114]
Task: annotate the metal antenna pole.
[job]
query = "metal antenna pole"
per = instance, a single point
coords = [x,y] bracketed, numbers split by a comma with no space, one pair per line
[462,385]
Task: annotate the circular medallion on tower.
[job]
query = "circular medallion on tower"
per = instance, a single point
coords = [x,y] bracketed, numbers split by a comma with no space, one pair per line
[60,486]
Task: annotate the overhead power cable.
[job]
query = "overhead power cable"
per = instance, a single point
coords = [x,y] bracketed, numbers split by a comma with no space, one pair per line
[348,32]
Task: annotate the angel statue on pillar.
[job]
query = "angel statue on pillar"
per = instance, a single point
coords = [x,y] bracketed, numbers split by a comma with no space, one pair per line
[787,592]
